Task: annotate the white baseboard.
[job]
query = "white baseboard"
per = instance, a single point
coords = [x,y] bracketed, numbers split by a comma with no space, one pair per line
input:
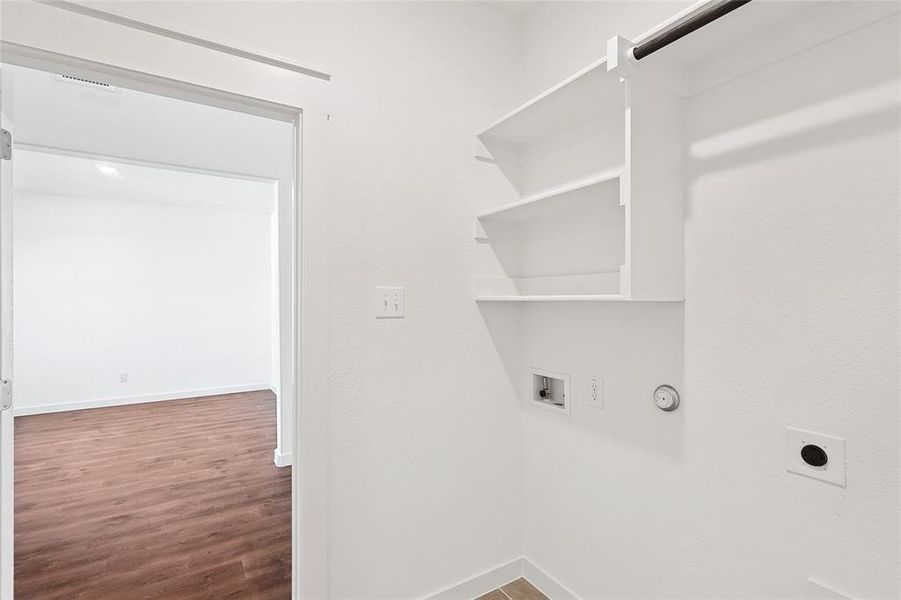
[482,583]
[282,459]
[493,578]
[20,411]
[551,588]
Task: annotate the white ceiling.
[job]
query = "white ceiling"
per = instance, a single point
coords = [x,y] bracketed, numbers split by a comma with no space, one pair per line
[59,174]
[750,22]
[54,112]
[517,8]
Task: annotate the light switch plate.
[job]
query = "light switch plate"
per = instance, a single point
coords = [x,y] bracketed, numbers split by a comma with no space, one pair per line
[389,303]
[834,469]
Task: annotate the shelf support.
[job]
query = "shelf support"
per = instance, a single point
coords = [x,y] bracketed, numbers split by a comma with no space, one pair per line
[663,73]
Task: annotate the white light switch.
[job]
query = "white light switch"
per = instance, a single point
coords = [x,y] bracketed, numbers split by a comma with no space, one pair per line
[389,303]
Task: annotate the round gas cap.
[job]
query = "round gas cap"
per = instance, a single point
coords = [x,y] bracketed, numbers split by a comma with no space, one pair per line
[666,397]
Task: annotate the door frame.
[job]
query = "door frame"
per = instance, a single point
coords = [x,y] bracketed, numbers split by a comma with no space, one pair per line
[308,395]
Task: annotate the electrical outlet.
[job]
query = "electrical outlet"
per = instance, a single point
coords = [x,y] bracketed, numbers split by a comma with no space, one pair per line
[594,391]
[815,455]
[123,377]
[389,303]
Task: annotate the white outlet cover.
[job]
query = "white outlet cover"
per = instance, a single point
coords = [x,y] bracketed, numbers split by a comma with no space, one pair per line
[389,303]
[593,391]
[834,469]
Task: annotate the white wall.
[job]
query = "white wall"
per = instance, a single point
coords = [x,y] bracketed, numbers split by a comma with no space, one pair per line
[177,296]
[424,439]
[791,318]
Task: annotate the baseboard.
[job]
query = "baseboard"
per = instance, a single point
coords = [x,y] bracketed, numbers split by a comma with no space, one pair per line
[482,583]
[20,411]
[493,578]
[551,588]
[282,459]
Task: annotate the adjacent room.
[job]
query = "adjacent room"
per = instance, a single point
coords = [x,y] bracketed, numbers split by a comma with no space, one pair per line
[450,300]
[147,354]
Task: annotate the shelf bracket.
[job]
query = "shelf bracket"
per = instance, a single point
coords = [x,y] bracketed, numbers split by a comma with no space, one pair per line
[481,152]
[479,232]
[660,73]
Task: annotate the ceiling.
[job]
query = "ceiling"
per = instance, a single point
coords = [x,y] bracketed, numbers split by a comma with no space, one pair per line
[55,112]
[76,176]
[517,8]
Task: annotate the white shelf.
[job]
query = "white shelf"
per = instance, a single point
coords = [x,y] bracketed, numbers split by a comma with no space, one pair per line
[588,94]
[597,161]
[554,298]
[590,286]
[617,134]
[564,199]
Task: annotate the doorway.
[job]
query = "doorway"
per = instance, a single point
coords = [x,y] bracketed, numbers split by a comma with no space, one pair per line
[128,147]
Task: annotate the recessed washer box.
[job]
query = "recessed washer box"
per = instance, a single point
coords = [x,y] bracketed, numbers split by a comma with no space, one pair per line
[815,455]
[550,390]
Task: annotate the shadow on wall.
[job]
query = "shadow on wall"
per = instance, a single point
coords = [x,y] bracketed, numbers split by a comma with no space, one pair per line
[504,323]
[634,347]
[839,101]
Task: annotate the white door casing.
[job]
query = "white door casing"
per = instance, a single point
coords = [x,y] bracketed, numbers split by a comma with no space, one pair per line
[309,444]
[6,418]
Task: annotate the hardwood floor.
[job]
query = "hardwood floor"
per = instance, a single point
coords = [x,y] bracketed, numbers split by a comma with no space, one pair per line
[175,500]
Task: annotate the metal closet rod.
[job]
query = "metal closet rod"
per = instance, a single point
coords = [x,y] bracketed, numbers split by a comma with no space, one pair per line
[680,29]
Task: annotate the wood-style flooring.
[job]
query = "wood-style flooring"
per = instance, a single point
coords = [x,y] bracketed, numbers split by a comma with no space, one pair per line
[176,500]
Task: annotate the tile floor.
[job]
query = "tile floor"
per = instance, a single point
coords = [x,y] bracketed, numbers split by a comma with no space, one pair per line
[519,589]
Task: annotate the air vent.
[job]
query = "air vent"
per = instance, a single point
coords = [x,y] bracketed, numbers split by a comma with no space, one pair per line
[91,83]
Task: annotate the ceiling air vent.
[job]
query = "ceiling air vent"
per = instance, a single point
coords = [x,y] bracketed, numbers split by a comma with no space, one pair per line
[91,83]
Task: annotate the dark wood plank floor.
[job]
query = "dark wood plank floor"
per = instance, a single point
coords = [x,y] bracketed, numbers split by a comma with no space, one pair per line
[175,500]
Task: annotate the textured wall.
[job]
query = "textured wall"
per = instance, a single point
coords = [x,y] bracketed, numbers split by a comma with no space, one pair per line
[424,427]
[791,318]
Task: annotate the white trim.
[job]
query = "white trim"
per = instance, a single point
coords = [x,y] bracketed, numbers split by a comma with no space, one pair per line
[21,411]
[495,577]
[311,357]
[481,583]
[7,450]
[282,459]
[47,60]
[172,34]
